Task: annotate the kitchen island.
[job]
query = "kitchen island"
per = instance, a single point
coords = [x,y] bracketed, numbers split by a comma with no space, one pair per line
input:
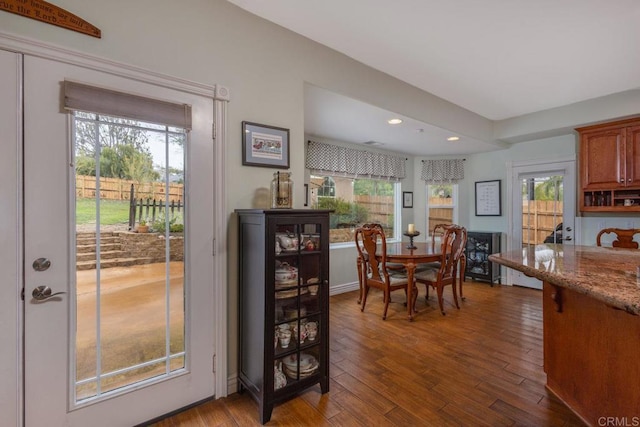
[591,312]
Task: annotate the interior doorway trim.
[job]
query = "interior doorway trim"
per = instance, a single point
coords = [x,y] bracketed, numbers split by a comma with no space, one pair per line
[221,97]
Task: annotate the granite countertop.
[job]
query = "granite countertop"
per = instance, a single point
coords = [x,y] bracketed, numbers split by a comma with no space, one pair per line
[606,274]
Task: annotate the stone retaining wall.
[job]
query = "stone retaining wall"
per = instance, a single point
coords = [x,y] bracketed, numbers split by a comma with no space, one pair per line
[152,245]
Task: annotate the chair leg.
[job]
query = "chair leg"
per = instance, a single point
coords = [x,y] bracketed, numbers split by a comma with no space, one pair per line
[365,292]
[414,295]
[455,293]
[463,269]
[387,297]
[440,302]
[360,266]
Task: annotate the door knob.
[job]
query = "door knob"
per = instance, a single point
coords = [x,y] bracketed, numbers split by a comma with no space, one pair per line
[41,264]
[43,293]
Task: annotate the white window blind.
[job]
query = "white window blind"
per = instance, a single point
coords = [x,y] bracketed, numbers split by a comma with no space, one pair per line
[82,97]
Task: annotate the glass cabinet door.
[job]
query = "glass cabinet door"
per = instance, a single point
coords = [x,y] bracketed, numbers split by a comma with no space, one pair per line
[298,278]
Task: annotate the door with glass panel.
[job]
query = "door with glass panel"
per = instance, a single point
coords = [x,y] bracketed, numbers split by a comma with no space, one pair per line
[118,234]
[543,213]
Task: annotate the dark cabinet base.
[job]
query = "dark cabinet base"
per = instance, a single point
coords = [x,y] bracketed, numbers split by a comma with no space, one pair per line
[480,245]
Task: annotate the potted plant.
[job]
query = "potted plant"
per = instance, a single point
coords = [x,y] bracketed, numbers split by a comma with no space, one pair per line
[142,226]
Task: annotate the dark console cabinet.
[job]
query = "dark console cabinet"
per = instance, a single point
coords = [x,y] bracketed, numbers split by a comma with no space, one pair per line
[481,244]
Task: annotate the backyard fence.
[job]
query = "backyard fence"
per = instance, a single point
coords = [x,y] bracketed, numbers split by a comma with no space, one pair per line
[542,217]
[119,189]
[380,208]
[148,209]
[439,213]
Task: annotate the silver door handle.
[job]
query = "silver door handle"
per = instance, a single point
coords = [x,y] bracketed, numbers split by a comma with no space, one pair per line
[43,293]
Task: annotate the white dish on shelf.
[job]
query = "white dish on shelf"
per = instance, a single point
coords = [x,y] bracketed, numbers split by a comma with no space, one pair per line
[306,361]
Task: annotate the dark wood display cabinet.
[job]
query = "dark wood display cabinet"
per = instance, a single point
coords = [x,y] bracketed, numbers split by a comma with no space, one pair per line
[283,304]
[481,244]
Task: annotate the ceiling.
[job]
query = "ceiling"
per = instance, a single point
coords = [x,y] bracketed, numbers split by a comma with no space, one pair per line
[497,58]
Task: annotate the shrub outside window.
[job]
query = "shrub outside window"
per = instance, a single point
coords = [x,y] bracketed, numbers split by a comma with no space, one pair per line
[356,201]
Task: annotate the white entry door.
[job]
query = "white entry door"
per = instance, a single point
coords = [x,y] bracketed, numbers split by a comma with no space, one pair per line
[118,324]
[543,212]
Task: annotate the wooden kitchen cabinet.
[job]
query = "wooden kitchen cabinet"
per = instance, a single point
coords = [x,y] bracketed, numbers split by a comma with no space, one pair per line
[610,167]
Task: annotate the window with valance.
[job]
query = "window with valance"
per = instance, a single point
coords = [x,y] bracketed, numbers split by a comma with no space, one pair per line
[364,187]
[442,171]
[328,159]
[442,177]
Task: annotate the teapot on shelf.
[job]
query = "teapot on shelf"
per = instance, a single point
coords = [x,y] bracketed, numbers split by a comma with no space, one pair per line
[288,241]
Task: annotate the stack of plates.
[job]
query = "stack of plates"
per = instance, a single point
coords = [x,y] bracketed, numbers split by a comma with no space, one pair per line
[290,293]
[308,365]
[286,283]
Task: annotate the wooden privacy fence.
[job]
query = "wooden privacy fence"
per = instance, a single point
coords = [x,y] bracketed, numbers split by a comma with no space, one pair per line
[539,219]
[119,189]
[440,214]
[147,209]
[380,208]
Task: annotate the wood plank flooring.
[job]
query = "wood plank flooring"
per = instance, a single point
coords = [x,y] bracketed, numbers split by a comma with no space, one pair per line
[477,366]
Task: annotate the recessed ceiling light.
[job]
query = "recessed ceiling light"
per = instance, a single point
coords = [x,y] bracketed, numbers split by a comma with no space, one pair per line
[394,121]
[453,138]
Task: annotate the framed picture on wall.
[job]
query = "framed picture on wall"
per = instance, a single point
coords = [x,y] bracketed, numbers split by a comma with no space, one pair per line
[264,145]
[488,202]
[407,199]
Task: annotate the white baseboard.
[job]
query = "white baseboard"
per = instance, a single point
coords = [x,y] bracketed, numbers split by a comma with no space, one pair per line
[232,384]
[341,289]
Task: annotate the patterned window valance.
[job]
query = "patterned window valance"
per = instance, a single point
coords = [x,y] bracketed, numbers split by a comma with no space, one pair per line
[441,171]
[327,159]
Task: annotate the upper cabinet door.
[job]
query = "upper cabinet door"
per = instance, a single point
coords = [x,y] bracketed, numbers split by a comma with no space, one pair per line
[633,156]
[603,159]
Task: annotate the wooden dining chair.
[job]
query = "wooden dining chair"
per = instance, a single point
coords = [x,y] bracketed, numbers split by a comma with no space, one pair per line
[438,232]
[362,266]
[371,244]
[623,237]
[452,248]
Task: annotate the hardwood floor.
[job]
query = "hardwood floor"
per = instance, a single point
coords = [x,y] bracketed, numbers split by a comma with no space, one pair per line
[477,366]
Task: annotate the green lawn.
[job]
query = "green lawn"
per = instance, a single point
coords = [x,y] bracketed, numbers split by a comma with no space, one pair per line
[111,211]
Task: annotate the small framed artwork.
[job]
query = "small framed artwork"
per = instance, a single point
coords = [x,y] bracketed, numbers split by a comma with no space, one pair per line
[266,146]
[488,202]
[407,199]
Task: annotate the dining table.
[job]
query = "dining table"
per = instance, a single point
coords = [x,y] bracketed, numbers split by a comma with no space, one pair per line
[401,253]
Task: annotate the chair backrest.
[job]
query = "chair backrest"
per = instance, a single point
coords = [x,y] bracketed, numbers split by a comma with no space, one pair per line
[452,247]
[438,231]
[623,237]
[370,240]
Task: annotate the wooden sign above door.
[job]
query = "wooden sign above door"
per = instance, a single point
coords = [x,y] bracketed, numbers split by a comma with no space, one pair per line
[51,14]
